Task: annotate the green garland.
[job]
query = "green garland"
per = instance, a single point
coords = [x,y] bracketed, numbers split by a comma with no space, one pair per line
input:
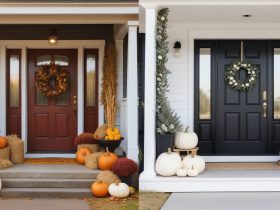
[232,80]
[167,121]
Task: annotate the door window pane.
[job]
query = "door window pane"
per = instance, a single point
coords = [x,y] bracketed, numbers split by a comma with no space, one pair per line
[43,60]
[14,80]
[62,99]
[90,80]
[204,83]
[61,60]
[276,90]
[41,99]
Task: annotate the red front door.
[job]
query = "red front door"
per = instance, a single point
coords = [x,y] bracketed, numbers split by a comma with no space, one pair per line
[52,122]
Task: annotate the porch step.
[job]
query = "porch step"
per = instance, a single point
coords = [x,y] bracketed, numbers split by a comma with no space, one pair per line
[46,192]
[46,183]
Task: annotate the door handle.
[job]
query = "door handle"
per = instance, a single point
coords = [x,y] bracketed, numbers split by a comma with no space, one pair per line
[75,106]
[264,109]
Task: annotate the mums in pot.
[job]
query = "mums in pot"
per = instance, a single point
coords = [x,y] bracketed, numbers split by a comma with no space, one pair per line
[186,139]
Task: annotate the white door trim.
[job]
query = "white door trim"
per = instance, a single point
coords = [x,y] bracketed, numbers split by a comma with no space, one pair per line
[80,45]
[234,33]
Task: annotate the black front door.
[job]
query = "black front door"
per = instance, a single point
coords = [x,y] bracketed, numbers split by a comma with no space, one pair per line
[231,122]
[242,127]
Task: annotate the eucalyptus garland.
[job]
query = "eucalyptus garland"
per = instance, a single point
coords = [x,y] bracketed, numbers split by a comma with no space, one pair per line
[167,121]
[231,76]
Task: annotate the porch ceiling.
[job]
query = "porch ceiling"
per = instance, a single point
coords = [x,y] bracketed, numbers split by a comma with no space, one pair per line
[217,11]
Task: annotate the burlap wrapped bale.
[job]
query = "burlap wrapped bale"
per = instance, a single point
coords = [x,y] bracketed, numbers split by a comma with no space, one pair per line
[17,149]
[5,163]
[91,162]
[107,176]
[92,147]
[5,153]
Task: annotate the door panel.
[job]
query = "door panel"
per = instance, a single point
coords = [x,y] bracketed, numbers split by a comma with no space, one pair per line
[52,122]
[238,126]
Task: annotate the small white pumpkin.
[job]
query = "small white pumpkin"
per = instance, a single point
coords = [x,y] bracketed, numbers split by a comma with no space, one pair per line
[194,161]
[192,172]
[119,190]
[186,139]
[168,163]
[182,172]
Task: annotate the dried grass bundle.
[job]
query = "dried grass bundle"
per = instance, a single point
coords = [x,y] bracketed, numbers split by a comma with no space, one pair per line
[5,163]
[109,84]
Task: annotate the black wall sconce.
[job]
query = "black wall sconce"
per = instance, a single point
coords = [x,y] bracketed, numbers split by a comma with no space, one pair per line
[177,48]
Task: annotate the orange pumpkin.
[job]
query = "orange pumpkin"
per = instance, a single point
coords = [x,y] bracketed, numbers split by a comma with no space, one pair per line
[81,155]
[99,189]
[107,160]
[3,142]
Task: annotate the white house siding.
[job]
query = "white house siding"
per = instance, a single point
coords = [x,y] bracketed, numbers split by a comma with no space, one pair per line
[178,66]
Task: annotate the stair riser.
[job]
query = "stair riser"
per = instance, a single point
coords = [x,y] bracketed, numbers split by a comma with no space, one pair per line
[49,175]
[47,184]
[46,194]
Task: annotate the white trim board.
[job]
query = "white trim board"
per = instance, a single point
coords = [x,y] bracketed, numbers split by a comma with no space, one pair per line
[80,45]
[228,159]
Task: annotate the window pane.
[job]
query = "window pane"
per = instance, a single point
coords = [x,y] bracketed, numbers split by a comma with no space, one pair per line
[62,99]
[61,60]
[41,99]
[14,80]
[91,80]
[43,60]
[276,90]
[205,83]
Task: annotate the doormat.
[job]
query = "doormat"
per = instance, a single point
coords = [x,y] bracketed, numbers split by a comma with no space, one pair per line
[244,166]
[50,161]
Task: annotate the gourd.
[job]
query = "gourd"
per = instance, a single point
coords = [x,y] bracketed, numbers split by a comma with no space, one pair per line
[100,132]
[119,190]
[81,155]
[168,163]
[113,134]
[182,172]
[99,189]
[192,172]
[186,139]
[107,160]
[194,161]
[3,142]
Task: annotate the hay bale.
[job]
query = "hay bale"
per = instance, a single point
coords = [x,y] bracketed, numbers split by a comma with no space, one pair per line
[5,163]
[107,176]
[5,153]
[97,154]
[17,149]
[91,161]
[100,132]
[92,147]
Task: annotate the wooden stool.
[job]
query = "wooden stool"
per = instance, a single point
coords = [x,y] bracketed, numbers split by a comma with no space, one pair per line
[188,151]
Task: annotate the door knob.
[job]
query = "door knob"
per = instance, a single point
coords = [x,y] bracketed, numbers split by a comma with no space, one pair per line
[75,106]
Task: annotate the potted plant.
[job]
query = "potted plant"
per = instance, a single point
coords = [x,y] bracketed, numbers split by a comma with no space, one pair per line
[108,98]
[167,121]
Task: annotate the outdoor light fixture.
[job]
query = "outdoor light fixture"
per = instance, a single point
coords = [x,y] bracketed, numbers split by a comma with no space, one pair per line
[177,49]
[53,38]
[247,15]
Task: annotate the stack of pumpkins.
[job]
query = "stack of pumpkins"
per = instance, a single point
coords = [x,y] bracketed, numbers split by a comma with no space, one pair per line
[108,181]
[170,163]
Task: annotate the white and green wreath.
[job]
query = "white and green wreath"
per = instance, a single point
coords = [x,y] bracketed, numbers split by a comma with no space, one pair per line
[231,76]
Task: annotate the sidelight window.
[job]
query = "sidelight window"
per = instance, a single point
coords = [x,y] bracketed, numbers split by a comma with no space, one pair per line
[276,90]
[205,83]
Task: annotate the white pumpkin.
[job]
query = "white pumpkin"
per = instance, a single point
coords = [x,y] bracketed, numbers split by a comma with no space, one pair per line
[119,190]
[192,172]
[168,163]
[194,161]
[186,139]
[182,172]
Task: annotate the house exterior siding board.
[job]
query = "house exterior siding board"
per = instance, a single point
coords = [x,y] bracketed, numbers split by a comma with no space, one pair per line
[68,1]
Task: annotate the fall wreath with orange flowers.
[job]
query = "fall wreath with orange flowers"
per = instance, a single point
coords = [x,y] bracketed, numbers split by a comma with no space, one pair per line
[52,80]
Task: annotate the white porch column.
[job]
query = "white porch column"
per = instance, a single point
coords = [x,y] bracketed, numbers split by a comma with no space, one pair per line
[2,90]
[150,98]
[132,92]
